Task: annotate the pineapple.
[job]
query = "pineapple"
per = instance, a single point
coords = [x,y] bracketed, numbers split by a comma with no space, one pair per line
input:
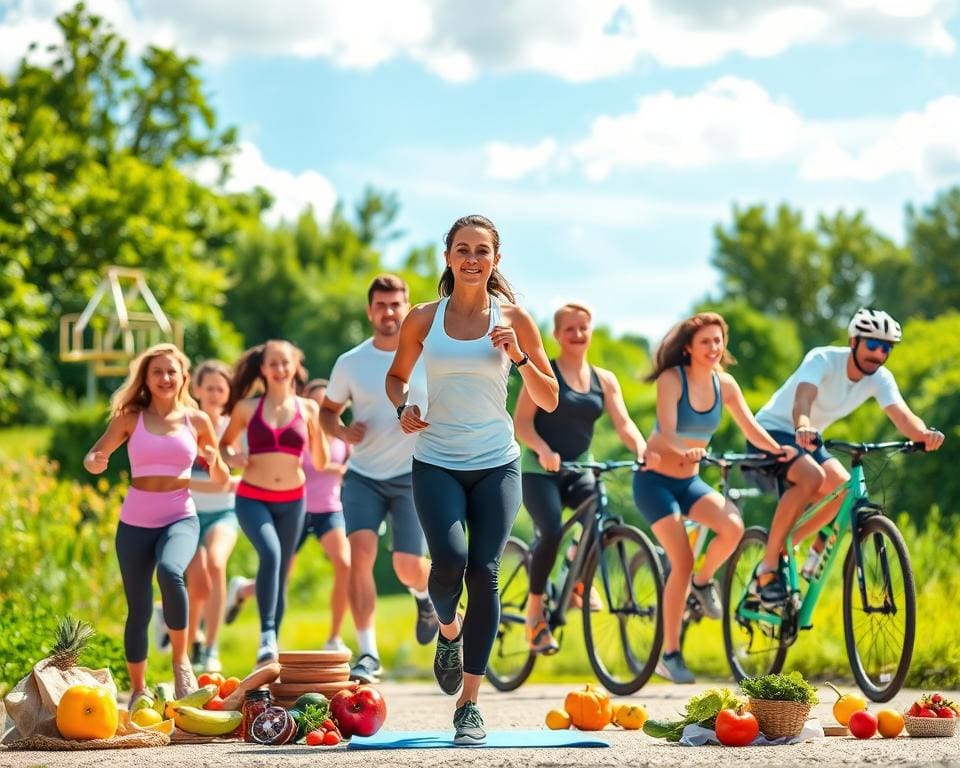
[72,635]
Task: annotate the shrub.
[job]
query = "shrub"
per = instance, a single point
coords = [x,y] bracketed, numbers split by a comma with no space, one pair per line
[74,435]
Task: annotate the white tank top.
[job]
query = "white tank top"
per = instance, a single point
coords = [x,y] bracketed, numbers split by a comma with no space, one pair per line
[466,400]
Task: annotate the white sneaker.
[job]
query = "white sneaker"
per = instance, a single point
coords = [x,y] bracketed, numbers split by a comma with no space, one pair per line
[234,601]
[211,661]
[336,644]
[811,564]
[161,635]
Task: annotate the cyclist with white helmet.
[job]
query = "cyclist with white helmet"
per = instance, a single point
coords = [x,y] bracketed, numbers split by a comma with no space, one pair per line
[830,383]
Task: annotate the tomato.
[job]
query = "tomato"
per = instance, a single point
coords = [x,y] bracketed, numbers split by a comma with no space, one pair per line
[945,713]
[315,738]
[229,685]
[734,730]
[331,739]
[863,725]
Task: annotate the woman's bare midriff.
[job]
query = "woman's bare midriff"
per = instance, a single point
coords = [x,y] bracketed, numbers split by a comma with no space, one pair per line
[159,483]
[670,463]
[275,471]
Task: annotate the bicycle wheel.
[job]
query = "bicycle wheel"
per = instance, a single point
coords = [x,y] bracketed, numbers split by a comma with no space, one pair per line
[753,647]
[880,634]
[511,660]
[624,636]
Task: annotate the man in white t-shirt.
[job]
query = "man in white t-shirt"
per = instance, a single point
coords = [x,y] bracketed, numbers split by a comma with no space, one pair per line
[830,383]
[377,483]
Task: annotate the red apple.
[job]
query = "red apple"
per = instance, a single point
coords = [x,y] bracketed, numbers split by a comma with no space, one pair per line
[863,724]
[360,713]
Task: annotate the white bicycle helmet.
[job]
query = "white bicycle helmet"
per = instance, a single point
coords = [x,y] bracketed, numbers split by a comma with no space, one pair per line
[874,324]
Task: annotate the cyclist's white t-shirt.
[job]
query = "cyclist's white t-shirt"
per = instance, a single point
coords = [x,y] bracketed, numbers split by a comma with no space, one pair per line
[359,378]
[837,396]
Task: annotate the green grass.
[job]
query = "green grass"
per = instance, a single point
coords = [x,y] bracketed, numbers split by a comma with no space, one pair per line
[22,441]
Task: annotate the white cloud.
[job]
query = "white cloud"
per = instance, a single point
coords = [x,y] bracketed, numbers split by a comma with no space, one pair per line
[576,40]
[509,162]
[731,120]
[921,144]
[292,193]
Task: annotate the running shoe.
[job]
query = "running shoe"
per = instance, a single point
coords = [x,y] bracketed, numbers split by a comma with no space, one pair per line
[428,624]
[448,663]
[367,670]
[235,599]
[708,597]
[469,726]
[161,636]
[673,668]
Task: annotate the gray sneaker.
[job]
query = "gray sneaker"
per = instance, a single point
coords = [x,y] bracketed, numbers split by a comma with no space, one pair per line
[428,624]
[708,597]
[673,668]
[448,663]
[367,670]
[469,725]
[184,681]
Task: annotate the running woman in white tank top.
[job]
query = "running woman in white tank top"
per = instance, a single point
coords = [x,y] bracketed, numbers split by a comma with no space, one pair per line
[466,468]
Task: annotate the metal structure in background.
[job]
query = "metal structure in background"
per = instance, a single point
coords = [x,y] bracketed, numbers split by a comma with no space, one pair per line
[107,341]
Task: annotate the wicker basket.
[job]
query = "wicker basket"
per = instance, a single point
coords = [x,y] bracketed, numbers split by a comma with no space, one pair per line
[779,718]
[923,727]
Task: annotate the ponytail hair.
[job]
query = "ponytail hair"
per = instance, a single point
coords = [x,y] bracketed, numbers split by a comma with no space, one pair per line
[134,396]
[672,350]
[247,372]
[497,285]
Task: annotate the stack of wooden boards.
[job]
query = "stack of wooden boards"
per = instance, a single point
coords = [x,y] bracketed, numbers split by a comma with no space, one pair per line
[301,672]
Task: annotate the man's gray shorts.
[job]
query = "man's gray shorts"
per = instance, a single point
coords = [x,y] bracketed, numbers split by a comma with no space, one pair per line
[367,502]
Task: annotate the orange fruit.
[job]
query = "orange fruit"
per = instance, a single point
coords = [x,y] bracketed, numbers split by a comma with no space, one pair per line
[558,720]
[229,686]
[87,712]
[889,723]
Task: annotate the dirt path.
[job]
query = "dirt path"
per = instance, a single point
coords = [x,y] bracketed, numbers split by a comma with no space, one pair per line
[413,706]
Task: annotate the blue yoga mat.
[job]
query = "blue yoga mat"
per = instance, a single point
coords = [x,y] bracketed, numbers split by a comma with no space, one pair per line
[495,740]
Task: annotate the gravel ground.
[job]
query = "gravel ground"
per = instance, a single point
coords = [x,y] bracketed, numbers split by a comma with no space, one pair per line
[413,706]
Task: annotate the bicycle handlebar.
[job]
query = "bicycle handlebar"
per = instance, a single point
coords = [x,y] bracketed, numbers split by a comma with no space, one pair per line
[597,466]
[901,446]
[747,460]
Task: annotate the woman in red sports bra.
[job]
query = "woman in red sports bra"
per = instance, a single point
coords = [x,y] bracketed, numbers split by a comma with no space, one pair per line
[271,502]
[164,430]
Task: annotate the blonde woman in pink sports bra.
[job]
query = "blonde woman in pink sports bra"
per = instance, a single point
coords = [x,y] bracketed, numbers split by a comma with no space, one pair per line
[164,430]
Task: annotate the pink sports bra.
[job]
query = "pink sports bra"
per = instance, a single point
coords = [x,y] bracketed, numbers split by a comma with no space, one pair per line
[262,438]
[162,455]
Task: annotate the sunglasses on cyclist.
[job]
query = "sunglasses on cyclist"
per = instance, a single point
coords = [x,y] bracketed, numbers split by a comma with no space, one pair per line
[874,344]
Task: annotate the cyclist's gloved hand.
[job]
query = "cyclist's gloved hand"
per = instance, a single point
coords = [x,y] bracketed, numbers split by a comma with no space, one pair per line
[807,438]
[549,460]
[932,439]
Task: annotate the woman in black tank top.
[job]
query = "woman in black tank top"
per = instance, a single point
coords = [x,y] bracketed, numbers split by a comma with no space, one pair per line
[564,435]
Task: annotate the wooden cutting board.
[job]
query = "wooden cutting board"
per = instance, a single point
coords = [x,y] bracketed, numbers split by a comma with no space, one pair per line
[305,674]
[314,658]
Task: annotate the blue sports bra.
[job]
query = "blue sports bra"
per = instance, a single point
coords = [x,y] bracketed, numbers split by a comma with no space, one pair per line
[691,423]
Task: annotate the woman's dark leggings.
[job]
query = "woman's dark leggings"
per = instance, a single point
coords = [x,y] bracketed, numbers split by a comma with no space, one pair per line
[170,549]
[544,497]
[274,528]
[449,502]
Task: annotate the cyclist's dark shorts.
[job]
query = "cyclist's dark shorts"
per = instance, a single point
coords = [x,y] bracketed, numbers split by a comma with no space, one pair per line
[658,496]
[766,479]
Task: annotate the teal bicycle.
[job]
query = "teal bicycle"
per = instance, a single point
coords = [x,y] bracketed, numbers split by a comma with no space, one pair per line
[879,597]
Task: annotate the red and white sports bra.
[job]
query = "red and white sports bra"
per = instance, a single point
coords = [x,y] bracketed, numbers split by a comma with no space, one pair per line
[162,455]
[262,438]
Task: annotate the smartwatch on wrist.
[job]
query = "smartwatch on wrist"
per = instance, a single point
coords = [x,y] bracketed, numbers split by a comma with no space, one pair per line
[400,410]
[523,361]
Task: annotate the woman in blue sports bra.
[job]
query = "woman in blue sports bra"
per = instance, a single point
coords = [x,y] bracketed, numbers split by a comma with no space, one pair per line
[692,388]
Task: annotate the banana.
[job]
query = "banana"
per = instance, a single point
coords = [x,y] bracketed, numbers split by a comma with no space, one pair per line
[197,699]
[163,696]
[204,722]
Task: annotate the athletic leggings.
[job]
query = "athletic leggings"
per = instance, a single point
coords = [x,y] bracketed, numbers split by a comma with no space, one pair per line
[273,528]
[450,501]
[544,497]
[170,548]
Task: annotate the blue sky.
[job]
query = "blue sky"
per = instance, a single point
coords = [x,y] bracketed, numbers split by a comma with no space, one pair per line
[605,138]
